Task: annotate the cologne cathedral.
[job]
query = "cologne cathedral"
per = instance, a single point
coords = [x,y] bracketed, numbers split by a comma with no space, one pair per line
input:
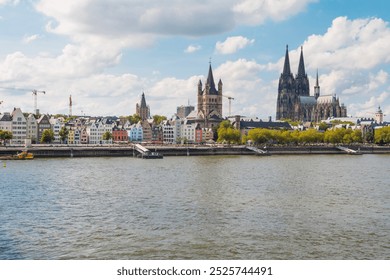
[294,99]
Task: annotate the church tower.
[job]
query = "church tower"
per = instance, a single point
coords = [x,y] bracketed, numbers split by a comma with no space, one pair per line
[301,80]
[317,88]
[286,92]
[143,110]
[210,101]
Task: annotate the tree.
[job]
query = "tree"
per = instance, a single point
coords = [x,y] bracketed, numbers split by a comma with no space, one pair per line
[310,136]
[323,126]
[382,135]
[107,136]
[357,136]
[135,118]
[157,119]
[5,135]
[63,133]
[47,136]
[227,133]
[259,135]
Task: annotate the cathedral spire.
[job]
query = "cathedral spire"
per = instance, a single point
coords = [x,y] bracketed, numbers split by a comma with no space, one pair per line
[143,101]
[301,67]
[317,87]
[210,84]
[286,68]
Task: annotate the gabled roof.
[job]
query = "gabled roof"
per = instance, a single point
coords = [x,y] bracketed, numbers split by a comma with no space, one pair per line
[326,99]
[307,100]
[6,118]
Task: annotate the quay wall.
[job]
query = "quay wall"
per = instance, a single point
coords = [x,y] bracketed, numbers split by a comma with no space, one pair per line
[129,151]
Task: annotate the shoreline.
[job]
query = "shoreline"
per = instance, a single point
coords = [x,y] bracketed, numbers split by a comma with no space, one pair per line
[45,151]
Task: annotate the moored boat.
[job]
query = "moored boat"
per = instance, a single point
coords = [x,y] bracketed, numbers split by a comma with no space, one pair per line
[21,155]
[152,155]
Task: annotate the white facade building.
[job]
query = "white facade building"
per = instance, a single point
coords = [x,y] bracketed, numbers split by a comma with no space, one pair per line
[169,133]
[19,127]
[32,128]
[56,125]
[188,132]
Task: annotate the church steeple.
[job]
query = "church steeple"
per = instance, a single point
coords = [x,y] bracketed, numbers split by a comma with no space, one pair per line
[210,84]
[286,68]
[301,79]
[143,101]
[286,91]
[142,109]
[317,87]
[301,67]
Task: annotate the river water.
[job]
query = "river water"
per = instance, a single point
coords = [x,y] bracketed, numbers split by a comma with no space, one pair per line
[215,207]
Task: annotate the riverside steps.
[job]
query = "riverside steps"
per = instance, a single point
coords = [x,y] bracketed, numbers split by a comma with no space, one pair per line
[48,151]
[258,151]
[349,151]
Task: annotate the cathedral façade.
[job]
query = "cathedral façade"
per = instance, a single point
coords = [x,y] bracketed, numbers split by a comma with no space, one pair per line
[294,99]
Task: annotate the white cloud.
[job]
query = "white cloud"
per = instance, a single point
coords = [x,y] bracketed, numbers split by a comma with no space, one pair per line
[232,44]
[349,56]
[192,48]
[350,44]
[29,39]
[256,12]
[136,23]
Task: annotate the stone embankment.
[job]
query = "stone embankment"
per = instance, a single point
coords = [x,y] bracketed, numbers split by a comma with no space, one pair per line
[47,151]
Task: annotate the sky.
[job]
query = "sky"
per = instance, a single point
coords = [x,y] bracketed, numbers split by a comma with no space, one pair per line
[107,53]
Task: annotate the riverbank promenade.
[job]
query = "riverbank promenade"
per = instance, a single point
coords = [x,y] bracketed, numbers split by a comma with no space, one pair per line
[185,150]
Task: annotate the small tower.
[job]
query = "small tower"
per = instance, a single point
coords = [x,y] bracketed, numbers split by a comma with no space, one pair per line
[317,88]
[143,110]
[379,115]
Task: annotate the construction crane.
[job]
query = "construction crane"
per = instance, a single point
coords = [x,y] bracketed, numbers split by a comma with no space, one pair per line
[70,105]
[230,103]
[35,94]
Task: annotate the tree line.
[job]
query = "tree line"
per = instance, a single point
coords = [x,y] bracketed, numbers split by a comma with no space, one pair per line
[258,136]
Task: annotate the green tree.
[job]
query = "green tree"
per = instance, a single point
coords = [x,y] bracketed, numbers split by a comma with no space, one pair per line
[47,136]
[157,119]
[63,133]
[310,136]
[382,135]
[259,135]
[357,136]
[135,118]
[227,133]
[5,135]
[107,136]
[323,126]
